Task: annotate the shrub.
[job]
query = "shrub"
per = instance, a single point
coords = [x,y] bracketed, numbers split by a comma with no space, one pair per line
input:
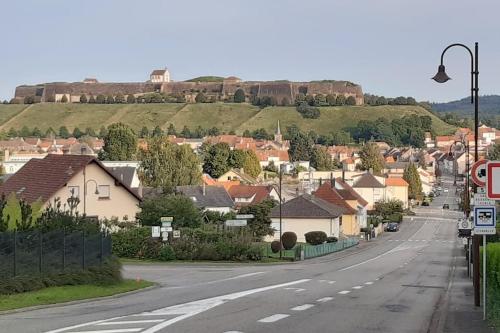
[396,217]
[166,253]
[275,246]
[332,239]
[315,237]
[289,239]
[128,243]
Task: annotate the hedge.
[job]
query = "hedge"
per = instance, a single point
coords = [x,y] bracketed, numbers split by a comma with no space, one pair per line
[493,282]
[105,274]
[315,237]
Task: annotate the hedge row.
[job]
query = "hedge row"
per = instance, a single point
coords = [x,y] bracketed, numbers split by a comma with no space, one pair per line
[105,274]
[493,285]
[194,244]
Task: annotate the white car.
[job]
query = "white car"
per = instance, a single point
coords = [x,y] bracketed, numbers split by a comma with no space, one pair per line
[445,190]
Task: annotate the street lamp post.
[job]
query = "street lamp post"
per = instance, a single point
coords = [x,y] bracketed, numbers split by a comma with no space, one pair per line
[442,77]
[85,194]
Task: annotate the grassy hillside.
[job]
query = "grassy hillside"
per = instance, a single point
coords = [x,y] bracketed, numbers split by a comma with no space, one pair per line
[227,117]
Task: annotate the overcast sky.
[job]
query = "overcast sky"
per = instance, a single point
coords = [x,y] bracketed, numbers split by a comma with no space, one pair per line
[390,47]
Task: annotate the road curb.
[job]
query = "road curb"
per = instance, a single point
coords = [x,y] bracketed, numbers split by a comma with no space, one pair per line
[82,301]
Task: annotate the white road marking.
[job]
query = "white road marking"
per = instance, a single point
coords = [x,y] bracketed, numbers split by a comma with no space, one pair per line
[357,287]
[324,299]
[331,282]
[369,283]
[187,310]
[273,318]
[344,292]
[127,322]
[302,307]
[123,330]
[297,290]
[233,332]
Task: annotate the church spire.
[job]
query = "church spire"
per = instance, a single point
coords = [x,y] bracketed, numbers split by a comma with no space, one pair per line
[277,136]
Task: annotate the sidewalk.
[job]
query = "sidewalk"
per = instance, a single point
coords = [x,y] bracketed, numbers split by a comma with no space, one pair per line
[461,315]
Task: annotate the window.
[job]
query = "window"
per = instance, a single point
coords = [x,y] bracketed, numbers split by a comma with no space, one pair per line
[104,191]
[74,191]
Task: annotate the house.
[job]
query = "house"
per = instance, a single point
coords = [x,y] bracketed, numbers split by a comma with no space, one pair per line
[244,195]
[101,193]
[350,163]
[395,169]
[444,141]
[306,213]
[160,76]
[237,174]
[370,187]
[461,163]
[329,192]
[127,175]
[211,198]
[397,189]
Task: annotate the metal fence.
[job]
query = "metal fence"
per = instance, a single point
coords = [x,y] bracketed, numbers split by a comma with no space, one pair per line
[34,252]
[312,251]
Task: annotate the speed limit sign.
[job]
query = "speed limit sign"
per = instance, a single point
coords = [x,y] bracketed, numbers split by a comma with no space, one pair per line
[478,173]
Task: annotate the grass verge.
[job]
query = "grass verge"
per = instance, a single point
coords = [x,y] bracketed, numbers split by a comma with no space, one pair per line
[53,295]
[131,261]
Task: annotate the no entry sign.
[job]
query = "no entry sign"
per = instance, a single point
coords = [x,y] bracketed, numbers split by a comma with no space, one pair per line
[478,173]
[493,183]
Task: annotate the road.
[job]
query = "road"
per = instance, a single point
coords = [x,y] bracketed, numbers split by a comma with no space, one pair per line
[395,283]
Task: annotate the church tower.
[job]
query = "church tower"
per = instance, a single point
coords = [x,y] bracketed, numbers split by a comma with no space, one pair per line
[277,136]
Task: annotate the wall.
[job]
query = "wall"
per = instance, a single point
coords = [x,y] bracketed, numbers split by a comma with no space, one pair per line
[120,203]
[301,226]
[350,225]
[397,193]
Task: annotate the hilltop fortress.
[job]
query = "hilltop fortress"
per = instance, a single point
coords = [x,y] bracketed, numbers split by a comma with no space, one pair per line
[218,89]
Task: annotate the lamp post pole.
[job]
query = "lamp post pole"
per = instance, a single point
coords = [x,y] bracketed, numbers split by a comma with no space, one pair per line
[442,77]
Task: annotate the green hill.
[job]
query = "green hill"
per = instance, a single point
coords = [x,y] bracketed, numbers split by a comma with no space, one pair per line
[225,116]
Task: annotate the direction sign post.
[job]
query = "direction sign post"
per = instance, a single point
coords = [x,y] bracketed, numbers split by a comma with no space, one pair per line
[155,231]
[236,223]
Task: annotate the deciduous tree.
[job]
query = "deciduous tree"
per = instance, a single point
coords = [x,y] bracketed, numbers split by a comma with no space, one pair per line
[120,143]
[413,179]
[239,96]
[371,158]
[181,208]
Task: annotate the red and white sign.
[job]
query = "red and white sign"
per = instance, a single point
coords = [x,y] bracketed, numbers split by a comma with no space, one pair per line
[478,173]
[493,183]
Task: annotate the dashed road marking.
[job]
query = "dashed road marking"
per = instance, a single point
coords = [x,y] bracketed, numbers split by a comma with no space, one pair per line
[297,290]
[357,287]
[344,292]
[128,322]
[324,299]
[122,330]
[368,283]
[302,307]
[273,318]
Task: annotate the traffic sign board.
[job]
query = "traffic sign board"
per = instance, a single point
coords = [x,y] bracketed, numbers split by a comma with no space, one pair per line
[236,223]
[155,231]
[244,216]
[484,220]
[478,173]
[485,231]
[493,183]
[166,224]
[480,199]
[176,233]
[166,219]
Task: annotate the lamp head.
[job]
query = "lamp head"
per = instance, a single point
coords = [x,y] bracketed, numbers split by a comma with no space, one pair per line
[441,76]
[96,191]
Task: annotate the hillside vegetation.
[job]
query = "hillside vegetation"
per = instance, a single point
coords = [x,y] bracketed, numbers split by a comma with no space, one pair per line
[226,116]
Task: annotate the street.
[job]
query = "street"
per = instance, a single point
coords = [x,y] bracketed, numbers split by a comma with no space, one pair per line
[395,283]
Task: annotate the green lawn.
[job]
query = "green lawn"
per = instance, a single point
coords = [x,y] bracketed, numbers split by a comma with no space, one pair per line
[225,116]
[62,294]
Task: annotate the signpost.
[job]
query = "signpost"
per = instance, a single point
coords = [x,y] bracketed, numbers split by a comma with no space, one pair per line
[166,219]
[236,223]
[478,173]
[176,234]
[244,216]
[166,226]
[155,232]
[493,180]
[480,199]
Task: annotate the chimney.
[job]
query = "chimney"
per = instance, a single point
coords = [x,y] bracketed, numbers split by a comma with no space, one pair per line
[83,150]
[332,181]
[320,181]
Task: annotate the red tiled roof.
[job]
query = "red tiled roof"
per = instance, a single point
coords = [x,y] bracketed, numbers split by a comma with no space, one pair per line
[331,195]
[395,181]
[42,178]
[352,192]
[248,191]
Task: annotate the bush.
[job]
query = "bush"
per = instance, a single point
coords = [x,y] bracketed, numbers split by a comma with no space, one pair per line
[129,243]
[289,239]
[332,239]
[396,217]
[307,111]
[166,253]
[105,274]
[275,246]
[315,237]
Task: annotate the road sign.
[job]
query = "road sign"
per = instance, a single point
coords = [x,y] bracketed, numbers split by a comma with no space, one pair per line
[244,216]
[164,235]
[480,199]
[168,229]
[176,234]
[485,220]
[493,182]
[478,173]
[155,231]
[166,224]
[166,219]
[236,223]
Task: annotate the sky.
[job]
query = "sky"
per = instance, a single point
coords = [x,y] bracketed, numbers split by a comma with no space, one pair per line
[389,47]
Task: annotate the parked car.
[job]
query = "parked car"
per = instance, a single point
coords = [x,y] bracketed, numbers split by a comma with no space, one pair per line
[446,206]
[445,190]
[439,188]
[425,203]
[391,227]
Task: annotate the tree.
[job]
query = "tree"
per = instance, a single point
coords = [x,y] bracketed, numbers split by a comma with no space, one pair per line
[37,133]
[216,159]
[300,147]
[199,132]
[64,99]
[167,165]
[25,132]
[320,159]
[371,158]
[29,100]
[100,99]
[119,99]
[50,133]
[285,101]
[381,101]
[83,99]
[171,130]
[251,164]
[89,131]
[12,133]
[91,99]
[340,100]
[63,132]
[103,132]
[247,134]
[131,99]
[413,179]
[350,101]
[260,224]
[307,111]
[200,98]
[181,208]
[239,96]
[331,99]
[494,153]
[110,99]
[77,133]
[157,132]
[120,143]
[237,158]
[144,133]
[320,100]
[185,133]
[214,131]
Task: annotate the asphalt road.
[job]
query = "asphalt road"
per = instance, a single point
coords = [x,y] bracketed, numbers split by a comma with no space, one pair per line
[395,283]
